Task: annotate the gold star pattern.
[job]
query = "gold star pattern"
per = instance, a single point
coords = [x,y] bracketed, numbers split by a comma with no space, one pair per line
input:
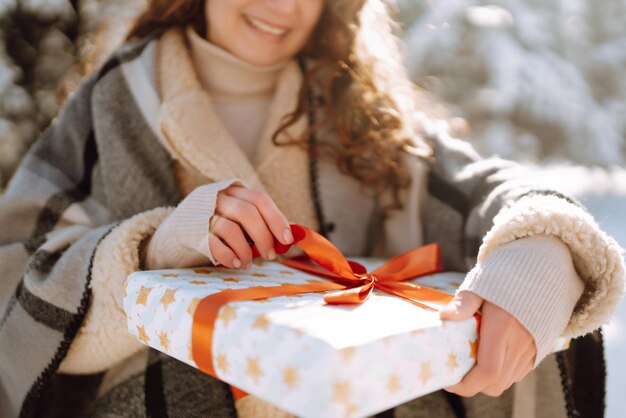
[290,377]
[231,280]
[227,314]
[473,349]
[193,306]
[341,391]
[253,370]
[393,384]
[222,363]
[259,263]
[425,372]
[287,272]
[202,271]
[143,336]
[165,341]
[313,281]
[452,363]
[259,275]
[299,331]
[348,352]
[142,297]
[197,282]
[262,323]
[351,410]
[264,300]
[168,297]
[166,275]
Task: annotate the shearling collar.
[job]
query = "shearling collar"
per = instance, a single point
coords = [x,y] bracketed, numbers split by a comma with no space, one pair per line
[197,139]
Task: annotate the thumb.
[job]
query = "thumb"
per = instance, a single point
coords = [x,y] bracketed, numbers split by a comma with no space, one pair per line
[464,305]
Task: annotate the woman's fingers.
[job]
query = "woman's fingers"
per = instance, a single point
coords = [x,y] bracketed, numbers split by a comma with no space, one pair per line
[231,234]
[463,306]
[526,362]
[523,369]
[273,217]
[520,350]
[491,354]
[222,253]
[501,383]
[522,366]
[248,216]
[506,354]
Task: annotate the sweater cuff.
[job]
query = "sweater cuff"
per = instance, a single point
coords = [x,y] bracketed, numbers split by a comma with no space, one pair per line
[103,339]
[534,280]
[597,257]
[183,239]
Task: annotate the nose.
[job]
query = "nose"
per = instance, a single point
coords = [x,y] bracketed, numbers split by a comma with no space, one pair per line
[282,6]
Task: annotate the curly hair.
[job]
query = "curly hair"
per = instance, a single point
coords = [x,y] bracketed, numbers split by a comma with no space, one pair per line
[354,69]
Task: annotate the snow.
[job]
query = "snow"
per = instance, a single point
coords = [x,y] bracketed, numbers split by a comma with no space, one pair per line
[603,192]
[609,210]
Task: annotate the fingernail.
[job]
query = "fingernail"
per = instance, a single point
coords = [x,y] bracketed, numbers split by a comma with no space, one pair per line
[288,236]
[237,263]
[271,254]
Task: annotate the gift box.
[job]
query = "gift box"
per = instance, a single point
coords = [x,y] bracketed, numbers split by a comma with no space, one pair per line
[302,352]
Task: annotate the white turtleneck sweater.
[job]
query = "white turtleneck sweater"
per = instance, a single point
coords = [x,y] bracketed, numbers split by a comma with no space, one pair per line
[222,75]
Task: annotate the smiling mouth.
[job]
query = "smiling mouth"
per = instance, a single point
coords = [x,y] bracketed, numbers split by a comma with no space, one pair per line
[265,27]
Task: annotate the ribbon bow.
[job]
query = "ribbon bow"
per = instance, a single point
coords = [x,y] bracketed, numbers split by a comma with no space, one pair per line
[388,278]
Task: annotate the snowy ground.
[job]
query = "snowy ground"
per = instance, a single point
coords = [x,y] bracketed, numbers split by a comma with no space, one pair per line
[609,212]
[604,195]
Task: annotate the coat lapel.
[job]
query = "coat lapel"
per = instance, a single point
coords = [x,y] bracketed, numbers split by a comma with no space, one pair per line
[283,170]
[192,132]
[197,139]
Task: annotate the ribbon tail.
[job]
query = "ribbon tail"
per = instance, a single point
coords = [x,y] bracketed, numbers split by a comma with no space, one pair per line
[206,314]
[304,263]
[416,294]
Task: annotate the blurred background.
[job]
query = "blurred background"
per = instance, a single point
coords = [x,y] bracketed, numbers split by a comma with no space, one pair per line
[542,82]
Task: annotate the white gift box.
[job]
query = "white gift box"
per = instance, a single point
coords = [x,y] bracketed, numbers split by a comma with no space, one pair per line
[300,354]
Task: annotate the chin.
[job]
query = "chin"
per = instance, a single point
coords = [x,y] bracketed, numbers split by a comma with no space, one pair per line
[262,60]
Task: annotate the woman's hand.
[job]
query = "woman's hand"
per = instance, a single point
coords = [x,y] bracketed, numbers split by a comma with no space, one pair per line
[243,213]
[506,352]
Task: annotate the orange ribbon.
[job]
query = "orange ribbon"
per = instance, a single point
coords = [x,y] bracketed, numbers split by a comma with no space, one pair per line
[353,283]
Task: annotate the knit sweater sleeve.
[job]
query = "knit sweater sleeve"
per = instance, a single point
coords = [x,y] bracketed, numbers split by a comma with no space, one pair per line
[182,240]
[534,279]
[492,208]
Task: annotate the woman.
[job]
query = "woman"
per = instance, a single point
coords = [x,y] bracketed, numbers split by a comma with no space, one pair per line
[217,124]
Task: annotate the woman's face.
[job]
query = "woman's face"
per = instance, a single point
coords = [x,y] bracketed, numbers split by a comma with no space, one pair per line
[262,32]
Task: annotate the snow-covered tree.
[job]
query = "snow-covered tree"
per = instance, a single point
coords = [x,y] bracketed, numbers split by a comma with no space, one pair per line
[41,41]
[535,79]
[540,79]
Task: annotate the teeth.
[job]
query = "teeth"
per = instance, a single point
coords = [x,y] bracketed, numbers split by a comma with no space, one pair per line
[265,27]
